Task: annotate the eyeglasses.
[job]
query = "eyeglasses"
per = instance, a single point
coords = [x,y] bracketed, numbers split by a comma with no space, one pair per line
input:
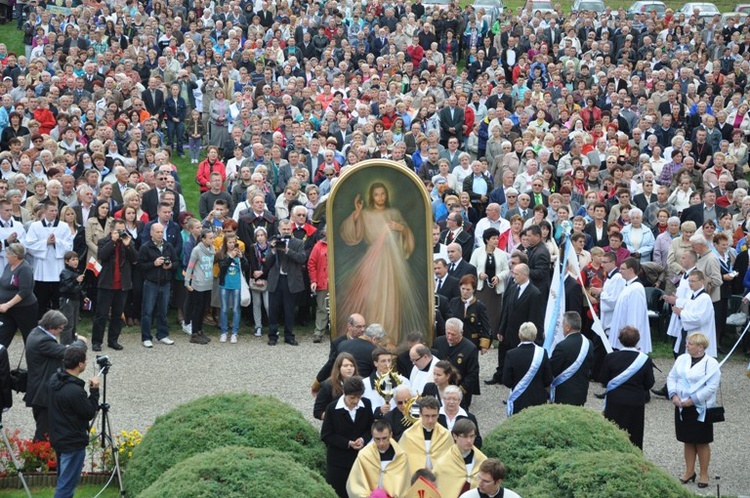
[400,403]
[413,360]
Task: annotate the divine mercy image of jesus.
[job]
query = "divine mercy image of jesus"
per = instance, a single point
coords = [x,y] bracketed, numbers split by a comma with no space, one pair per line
[380,265]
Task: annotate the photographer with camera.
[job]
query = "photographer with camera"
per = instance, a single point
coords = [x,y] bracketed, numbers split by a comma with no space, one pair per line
[44,355]
[70,411]
[117,256]
[285,281]
[155,260]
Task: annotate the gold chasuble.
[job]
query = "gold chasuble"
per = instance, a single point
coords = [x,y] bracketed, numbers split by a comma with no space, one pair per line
[366,473]
[413,443]
[452,474]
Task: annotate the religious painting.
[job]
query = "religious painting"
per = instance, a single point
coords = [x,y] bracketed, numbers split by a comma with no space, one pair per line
[380,254]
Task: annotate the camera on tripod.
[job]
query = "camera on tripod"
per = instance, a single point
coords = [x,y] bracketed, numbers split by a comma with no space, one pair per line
[103,361]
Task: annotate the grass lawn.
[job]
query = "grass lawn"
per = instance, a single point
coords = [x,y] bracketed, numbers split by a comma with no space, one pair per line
[87,491]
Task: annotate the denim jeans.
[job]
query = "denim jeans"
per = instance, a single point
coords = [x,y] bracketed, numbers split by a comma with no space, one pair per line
[195,147]
[69,467]
[155,296]
[230,300]
[175,132]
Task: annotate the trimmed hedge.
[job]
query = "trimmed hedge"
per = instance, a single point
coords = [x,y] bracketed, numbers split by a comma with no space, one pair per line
[236,419]
[239,472]
[603,474]
[536,432]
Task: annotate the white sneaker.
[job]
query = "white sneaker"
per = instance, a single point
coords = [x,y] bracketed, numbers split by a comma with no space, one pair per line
[223,337]
[166,340]
[187,328]
[258,332]
[233,339]
[148,344]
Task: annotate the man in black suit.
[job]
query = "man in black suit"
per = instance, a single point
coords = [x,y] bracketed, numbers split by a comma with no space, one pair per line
[285,282]
[463,355]
[44,357]
[355,327]
[536,194]
[451,122]
[457,266]
[573,294]
[363,346]
[646,197]
[706,210]
[625,403]
[539,262]
[454,232]
[573,387]
[153,99]
[445,284]
[518,361]
[521,304]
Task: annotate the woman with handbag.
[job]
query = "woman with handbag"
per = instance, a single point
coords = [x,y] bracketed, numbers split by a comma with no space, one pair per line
[18,304]
[260,266]
[693,407]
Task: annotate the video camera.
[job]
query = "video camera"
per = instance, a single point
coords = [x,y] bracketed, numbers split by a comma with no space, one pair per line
[103,361]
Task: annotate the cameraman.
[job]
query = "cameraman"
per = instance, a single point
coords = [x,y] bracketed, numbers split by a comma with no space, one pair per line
[155,260]
[117,257]
[285,281]
[70,411]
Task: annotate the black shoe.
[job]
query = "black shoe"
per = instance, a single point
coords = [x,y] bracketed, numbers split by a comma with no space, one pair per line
[291,342]
[599,396]
[317,339]
[661,392]
[198,339]
[115,345]
[689,479]
[96,347]
[702,485]
[492,382]
[272,341]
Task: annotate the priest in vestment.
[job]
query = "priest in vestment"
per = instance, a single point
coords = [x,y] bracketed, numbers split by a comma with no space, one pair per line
[382,464]
[457,470]
[631,309]
[612,288]
[427,441]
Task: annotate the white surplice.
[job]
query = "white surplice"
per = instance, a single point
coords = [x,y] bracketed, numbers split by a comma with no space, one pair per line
[697,315]
[683,291]
[612,288]
[631,310]
[49,259]
[6,229]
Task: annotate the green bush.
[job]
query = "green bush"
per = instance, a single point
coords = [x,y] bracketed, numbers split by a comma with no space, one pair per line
[537,432]
[603,474]
[239,472]
[223,420]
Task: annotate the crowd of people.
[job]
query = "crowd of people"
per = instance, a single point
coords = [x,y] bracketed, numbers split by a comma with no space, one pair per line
[625,136]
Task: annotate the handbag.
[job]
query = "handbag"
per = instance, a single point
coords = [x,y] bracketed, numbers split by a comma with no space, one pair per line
[258,285]
[19,377]
[715,414]
[245,296]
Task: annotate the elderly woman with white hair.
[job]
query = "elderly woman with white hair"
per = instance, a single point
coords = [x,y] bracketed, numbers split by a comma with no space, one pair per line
[663,241]
[638,238]
[451,411]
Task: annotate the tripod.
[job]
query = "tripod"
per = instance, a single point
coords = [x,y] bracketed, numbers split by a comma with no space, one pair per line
[107,441]
[16,464]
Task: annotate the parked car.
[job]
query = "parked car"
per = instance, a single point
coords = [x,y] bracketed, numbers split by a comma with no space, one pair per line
[705,9]
[432,5]
[742,7]
[738,17]
[645,7]
[492,9]
[588,6]
[539,6]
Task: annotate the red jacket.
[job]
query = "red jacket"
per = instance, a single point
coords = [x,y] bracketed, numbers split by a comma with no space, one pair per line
[46,120]
[317,265]
[205,170]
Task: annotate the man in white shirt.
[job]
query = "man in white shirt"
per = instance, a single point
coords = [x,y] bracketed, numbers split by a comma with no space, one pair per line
[492,220]
[11,231]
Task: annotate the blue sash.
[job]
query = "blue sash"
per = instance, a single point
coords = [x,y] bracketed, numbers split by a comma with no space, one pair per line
[625,375]
[520,388]
[571,370]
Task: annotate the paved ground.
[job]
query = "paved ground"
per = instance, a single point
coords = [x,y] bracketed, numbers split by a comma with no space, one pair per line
[144,384]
